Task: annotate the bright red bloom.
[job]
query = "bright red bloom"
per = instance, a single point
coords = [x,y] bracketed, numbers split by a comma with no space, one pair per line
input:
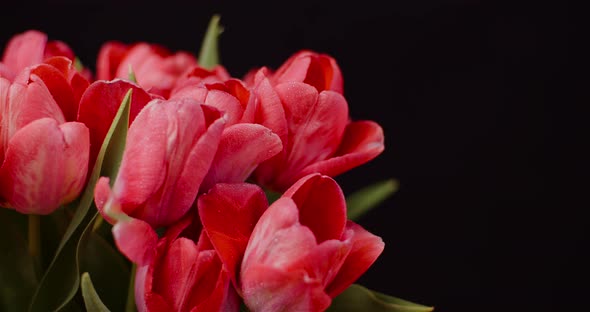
[99,105]
[297,254]
[185,274]
[313,125]
[156,69]
[44,152]
[318,70]
[170,146]
[30,48]
[243,144]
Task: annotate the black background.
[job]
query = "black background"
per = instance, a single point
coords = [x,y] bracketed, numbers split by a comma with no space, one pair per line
[479,103]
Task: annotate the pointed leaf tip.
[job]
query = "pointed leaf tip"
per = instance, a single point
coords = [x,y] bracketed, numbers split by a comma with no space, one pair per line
[209,54]
[91,299]
[359,298]
[363,200]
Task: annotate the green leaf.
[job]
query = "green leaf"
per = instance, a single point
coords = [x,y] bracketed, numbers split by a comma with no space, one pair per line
[209,54]
[369,197]
[62,278]
[17,270]
[110,270]
[91,299]
[359,298]
[131,74]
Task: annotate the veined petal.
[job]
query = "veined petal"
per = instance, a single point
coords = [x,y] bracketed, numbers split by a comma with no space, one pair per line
[77,149]
[362,142]
[270,289]
[143,167]
[241,148]
[33,172]
[316,125]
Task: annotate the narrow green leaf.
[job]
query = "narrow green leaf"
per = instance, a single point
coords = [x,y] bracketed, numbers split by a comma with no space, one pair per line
[363,200]
[91,299]
[62,278]
[131,74]
[110,270]
[359,298]
[209,54]
[17,270]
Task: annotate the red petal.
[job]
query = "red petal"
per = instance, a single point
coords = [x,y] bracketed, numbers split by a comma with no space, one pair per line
[33,173]
[58,48]
[241,148]
[27,103]
[268,289]
[366,248]
[362,142]
[99,105]
[229,213]
[109,57]
[316,125]
[60,89]
[28,188]
[75,154]
[24,50]
[321,205]
[136,240]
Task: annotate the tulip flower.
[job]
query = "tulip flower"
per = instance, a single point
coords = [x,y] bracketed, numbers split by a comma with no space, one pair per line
[99,105]
[170,146]
[43,151]
[243,144]
[185,274]
[315,129]
[30,48]
[156,69]
[295,255]
[318,70]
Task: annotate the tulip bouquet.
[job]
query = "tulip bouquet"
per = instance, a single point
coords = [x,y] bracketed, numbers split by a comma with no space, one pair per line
[162,183]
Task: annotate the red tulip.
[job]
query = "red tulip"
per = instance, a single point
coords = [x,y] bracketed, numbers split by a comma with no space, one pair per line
[99,105]
[185,274]
[30,48]
[170,146]
[156,69]
[44,153]
[318,70]
[243,144]
[294,256]
[315,130]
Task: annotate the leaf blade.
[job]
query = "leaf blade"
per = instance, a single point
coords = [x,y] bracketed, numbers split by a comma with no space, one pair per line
[91,299]
[359,298]
[363,200]
[209,53]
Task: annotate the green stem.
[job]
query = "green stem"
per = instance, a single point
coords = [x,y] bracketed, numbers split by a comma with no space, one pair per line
[130,305]
[35,239]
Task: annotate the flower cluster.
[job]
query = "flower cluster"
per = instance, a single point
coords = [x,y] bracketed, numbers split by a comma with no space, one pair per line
[223,197]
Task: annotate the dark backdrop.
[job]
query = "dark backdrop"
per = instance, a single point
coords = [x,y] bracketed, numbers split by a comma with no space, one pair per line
[475,100]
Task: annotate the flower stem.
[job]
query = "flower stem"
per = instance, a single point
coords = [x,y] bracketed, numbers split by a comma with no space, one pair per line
[130,305]
[35,239]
